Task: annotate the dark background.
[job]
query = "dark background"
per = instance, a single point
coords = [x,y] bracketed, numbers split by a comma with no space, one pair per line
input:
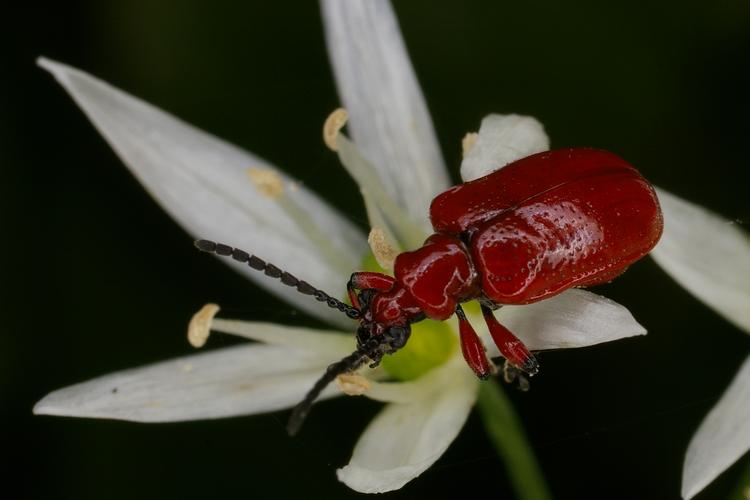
[95,277]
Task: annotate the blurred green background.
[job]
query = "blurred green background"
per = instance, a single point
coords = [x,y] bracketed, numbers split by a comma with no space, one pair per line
[95,277]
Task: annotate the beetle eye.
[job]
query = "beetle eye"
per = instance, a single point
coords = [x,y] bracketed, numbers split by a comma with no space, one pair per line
[365,297]
[363,335]
[398,336]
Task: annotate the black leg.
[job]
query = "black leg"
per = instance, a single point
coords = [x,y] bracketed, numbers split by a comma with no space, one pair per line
[488,303]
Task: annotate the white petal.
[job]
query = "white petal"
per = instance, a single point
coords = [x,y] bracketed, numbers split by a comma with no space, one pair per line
[405,439]
[389,117]
[202,182]
[422,387]
[575,318]
[328,343]
[722,438]
[707,255]
[223,383]
[503,139]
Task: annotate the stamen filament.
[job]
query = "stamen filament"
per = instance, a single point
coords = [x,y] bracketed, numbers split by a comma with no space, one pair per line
[377,219]
[408,234]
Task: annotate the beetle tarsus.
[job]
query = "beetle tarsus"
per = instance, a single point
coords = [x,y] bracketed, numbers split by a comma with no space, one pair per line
[531,365]
[512,374]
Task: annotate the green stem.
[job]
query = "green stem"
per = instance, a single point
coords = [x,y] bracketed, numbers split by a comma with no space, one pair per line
[742,488]
[505,432]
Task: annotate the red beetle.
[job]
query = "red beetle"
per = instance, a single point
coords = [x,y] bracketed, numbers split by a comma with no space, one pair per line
[540,225]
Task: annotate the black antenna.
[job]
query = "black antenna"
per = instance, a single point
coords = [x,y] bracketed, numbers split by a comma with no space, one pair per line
[274,272]
[348,364]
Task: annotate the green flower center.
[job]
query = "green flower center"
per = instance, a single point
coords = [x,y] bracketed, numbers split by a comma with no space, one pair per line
[431,342]
[430,345]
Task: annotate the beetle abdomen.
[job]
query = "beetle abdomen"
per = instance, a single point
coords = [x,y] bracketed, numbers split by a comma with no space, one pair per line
[579,233]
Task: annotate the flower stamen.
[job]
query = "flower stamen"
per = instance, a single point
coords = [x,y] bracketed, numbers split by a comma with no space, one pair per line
[408,234]
[468,142]
[332,126]
[353,384]
[199,328]
[382,248]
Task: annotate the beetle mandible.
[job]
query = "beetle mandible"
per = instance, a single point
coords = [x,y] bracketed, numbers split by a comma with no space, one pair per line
[545,223]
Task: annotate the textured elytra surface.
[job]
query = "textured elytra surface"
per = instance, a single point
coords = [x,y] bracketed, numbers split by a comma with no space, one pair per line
[465,206]
[551,221]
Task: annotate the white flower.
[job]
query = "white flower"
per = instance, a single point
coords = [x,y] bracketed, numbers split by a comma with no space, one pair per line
[710,257]
[202,182]
[722,438]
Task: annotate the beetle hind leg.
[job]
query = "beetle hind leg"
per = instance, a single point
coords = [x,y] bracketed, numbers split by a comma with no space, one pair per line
[511,347]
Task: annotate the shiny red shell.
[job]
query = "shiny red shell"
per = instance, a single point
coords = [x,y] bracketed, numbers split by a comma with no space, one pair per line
[526,232]
[552,221]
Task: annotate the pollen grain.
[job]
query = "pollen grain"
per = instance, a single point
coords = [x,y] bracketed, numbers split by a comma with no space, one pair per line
[267,181]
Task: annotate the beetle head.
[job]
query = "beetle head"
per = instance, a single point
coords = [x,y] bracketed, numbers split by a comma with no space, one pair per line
[375,337]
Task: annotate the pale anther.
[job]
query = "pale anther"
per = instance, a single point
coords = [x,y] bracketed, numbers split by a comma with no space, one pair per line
[383,251]
[200,325]
[353,384]
[267,181]
[332,126]
[468,142]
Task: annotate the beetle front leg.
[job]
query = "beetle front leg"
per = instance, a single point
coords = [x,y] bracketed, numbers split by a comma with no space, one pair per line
[365,279]
[511,347]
